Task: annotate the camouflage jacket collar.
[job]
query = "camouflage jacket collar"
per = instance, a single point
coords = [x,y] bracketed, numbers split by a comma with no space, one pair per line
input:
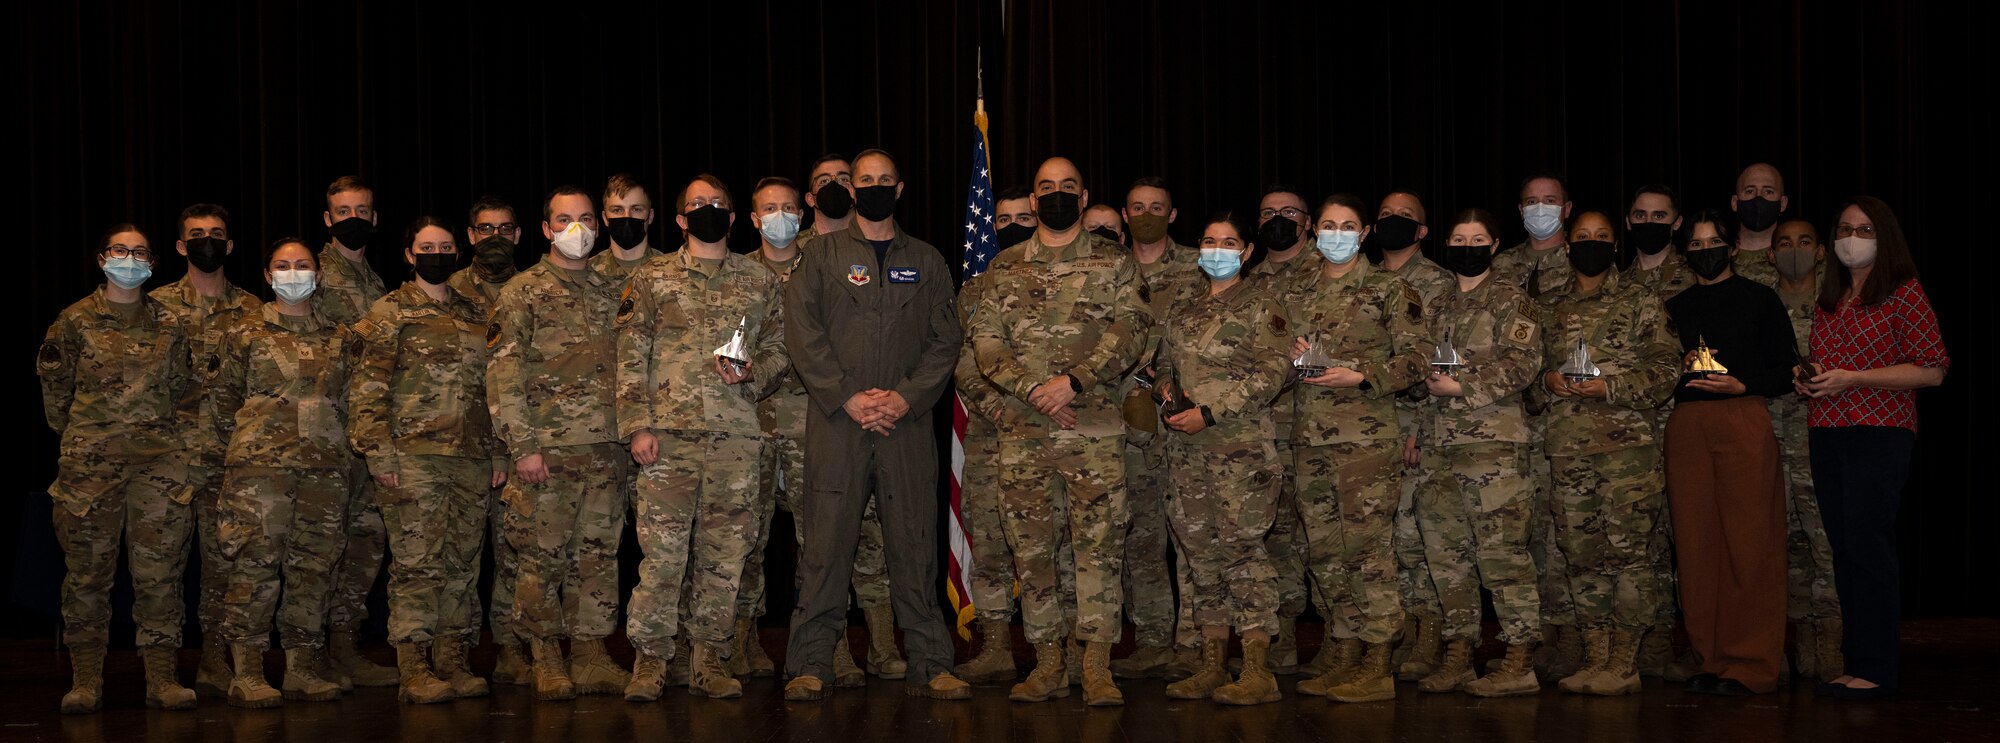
[596,279]
[1610,288]
[411,296]
[100,305]
[315,320]
[233,296]
[1086,245]
[333,261]
[732,264]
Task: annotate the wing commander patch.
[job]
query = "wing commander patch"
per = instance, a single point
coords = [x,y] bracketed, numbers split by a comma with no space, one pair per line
[50,358]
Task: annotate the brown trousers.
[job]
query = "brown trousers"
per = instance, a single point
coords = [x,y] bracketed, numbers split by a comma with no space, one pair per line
[1728,510]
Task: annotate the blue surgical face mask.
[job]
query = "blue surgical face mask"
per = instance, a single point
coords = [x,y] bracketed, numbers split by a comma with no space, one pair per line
[294,285]
[1220,264]
[778,228]
[127,272]
[1542,220]
[1339,246]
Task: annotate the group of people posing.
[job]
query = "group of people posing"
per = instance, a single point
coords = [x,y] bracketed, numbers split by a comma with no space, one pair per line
[1624,422]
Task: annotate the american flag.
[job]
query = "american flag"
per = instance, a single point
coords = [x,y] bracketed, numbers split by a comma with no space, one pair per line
[980,244]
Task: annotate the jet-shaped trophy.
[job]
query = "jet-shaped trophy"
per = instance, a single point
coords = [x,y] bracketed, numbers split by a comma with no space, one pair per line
[1444,357]
[1704,360]
[732,353]
[1579,368]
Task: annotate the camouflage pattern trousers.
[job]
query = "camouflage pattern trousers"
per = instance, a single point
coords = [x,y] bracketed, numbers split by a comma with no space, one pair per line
[206,480]
[1225,499]
[361,561]
[1420,597]
[1348,494]
[1475,507]
[1287,541]
[565,533]
[1809,565]
[144,504]
[506,571]
[1607,507]
[1075,488]
[1544,545]
[288,525]
[1149,581]
[696,519]
[436,518]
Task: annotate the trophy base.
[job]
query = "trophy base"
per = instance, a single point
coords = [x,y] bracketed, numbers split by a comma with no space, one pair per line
[1574,378]
[1308,372]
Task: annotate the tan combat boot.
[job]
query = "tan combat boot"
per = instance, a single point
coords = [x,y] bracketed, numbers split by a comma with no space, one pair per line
[248,688]
[1406,638]
[1284,656]
[649,678]
[1207,677]
[884,659]
[1073,661]
[707,677]
[448,655]
[1596,652]
[1568,656]
[995,661]
[552,680]
[163,689]
[1048,680]
[1827,637]
[1146,661]
[805,689]
[1256,685]
[1344,657]
[511,666]
[420,685]
[1618,675]
[354,668]
[1186,663]
[1515,676]
[211,677]
[678,666]
[1453,671]
[86,691]
[593,670]
[1370,680]
[303,681]
[941,686]
[758,661]
[846,675]
[1424,652]
[1098,688]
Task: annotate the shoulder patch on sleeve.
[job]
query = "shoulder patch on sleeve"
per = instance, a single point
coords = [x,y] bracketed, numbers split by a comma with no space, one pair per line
[1522,330]
[1414,300]
[50,358]
[1277,321]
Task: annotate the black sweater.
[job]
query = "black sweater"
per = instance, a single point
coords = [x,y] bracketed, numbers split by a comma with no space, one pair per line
[1746,327]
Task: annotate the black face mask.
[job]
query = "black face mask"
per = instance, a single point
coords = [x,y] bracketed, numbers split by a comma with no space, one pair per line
[493,258]
[206,253]
[709,224]
[1278,234]
[1394,232]
[1650,237]
[832,200]
[1468,260]
[354,233]
[875,203]
[1059,210]
[627,232]
[1108,234]
[1709,263]
[1591,257]
[434,268]
[1757,215]
[1014,234]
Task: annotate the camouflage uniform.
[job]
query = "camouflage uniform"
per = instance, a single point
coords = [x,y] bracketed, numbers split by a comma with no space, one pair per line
[1228,354]
[1756,266]
[346,291]
[1476,498]
[500,620]
[276,390]
[114,388]
[1603,452]
[1665,281]
[549,387]
[1420,599]
[1079,309]
[989,582]
[1540,274]
[697,501]
[206,319]
[417,410]
[1148,584]
[1348,445]
[1810,575]
[1287,541]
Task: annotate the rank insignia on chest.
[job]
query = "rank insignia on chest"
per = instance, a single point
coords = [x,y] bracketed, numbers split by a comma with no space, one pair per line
[857,274]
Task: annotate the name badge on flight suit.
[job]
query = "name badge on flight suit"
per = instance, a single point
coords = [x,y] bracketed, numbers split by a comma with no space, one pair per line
[903,275]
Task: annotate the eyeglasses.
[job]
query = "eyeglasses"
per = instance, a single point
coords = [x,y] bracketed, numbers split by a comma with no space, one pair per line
[1866,231]
[506,230]
[701,201]
[1291,213]
[822,180]
[120,251]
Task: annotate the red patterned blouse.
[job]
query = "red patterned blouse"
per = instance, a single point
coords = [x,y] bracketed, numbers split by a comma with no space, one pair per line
[1899,330]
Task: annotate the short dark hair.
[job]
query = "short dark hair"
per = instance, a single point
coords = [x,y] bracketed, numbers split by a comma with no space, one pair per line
[1151,181]
[776,180]
[1422,210]
[487,204]
[680,201]
[272,251]
[417,225]
[1271,188]
[623,183]
[1673,200]
[198,211]
[104,241]
[1561,185]
[1893,264]
[1011,193]
[1481,217]
[894,166]
[1235,221]
[831,157]
[1724,221]
[1347,200]
[566,189]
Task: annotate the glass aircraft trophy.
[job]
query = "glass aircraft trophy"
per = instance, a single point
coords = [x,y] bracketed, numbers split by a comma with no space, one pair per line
[1444,356]
[732,353]
[1579,368]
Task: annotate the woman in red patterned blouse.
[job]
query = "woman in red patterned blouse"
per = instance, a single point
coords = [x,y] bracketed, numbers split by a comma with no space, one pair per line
[1875,341]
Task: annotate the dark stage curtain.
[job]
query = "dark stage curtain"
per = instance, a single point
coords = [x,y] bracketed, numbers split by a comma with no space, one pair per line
[135,110]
